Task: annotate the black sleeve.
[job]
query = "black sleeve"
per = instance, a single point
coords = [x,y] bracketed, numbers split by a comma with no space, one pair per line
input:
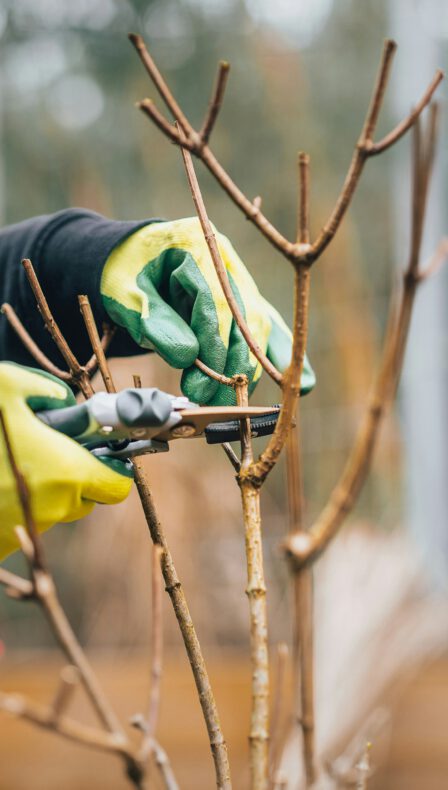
[68,251]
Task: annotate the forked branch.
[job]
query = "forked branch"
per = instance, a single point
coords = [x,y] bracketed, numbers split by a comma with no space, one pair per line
[221,272]
[197,143]
[305,547]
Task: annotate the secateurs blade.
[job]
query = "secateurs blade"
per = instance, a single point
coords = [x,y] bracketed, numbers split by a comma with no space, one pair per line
[138,421]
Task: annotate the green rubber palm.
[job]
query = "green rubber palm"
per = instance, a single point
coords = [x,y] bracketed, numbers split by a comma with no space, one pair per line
[161,286]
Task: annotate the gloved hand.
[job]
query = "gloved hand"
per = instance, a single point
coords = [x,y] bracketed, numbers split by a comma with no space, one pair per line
[160,284]
[64,479]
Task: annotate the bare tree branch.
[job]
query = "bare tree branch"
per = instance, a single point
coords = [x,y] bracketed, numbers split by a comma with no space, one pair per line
[213,374]
[278,708]
[256,593]
[68,728]
[306,547]
[150,109]
[68,681]
[32,347]
[215,101]
[431,268]
[302,586]
[303,222]
[404,126]
[98,350]
[15,585]
[194,142]
[209,236]
[260,469]
[44,592]
[191,642]
[159,82]
[70,359]
[156,642]
[231,455]
[24,499]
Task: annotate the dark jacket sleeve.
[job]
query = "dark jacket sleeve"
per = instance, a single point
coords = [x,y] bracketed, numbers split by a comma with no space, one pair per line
[68,251]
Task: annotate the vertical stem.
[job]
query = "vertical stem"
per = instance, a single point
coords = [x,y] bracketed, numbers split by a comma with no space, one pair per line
[256,592]
[95,340]
[302,582]
[303,593]
[174,589]
[156,642]
[278,709]
[303,220]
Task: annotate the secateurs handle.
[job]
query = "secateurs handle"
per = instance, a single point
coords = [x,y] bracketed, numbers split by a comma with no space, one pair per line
[112,415]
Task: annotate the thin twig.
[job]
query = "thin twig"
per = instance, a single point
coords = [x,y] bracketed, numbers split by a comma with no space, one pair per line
[304,549]
[163,764]
[42,360]
[74,731]
[215,101]
[390,139]
[68,681]
[242,399]
[50,323]
[303,223]
[106,338]
[303,589]
[150,109]
[259,470]
[174,589]
[159,82]
[360,152]
[156,642]
[32,347]
[213,374]
[302,584]
[436,261]
[221,271]
[77,371]
[62,725]
[191,140]
[232,456]
[278,708]
[16,587]
[195,144]
[92,331]
[151,746]
[24,498]
[256,593]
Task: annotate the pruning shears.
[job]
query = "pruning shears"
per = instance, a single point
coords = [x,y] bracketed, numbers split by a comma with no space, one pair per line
[138,421]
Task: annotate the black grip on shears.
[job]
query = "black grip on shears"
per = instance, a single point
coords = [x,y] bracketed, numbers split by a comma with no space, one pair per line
[72,421]
[220,432]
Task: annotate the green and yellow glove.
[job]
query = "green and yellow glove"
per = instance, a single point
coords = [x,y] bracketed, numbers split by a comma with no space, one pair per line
[64,479]
[161,286]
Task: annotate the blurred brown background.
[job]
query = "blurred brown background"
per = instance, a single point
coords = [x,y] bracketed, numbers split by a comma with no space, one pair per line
[70,135]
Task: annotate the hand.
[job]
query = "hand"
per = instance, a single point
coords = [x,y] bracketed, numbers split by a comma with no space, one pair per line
[160,284]
[64,479]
